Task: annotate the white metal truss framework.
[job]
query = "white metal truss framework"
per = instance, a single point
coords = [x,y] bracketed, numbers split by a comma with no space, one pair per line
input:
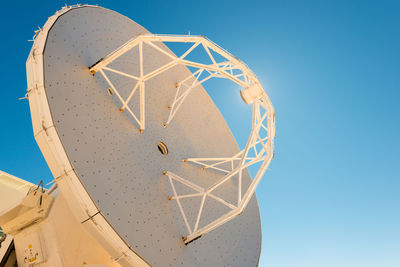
[259,147]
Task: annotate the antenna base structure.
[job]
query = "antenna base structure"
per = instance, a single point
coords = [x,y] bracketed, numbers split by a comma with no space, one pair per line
[259,149]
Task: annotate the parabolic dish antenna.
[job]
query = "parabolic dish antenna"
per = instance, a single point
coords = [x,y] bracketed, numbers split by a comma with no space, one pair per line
[141,153]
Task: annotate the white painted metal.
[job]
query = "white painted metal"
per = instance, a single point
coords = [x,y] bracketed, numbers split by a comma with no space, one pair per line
[111,176]
[12,190]
[32,209]
[54,152]
[252,93]
[57,239]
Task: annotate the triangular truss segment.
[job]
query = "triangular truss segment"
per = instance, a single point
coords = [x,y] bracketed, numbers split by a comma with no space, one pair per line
[223,66]
[258,150]
[200,192]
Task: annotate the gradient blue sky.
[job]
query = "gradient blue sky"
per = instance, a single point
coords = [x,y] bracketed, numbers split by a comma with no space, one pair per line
[331,68]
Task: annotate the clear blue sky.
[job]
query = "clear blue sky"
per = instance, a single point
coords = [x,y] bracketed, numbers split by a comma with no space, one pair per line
[331,68]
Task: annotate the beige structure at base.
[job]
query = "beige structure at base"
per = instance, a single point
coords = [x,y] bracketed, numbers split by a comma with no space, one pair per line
[56,239]
[12,190]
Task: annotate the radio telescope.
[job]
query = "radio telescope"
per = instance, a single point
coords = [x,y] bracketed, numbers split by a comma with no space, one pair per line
[140,153]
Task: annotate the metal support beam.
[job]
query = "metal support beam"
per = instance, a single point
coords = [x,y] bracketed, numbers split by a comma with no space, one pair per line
[259,147]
